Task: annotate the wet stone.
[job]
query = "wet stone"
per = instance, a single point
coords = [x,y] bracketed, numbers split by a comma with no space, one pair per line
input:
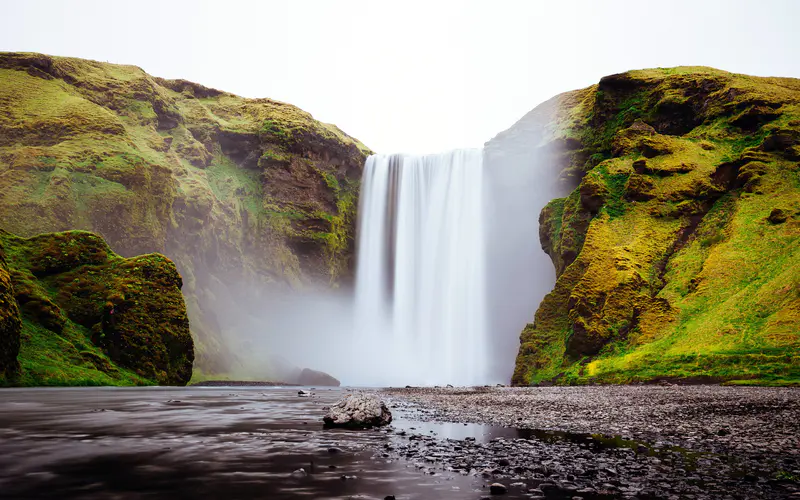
[497,489]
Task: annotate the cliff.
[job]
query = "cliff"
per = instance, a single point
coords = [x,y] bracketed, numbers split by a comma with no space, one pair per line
[244,195]
[74,313]
[676,250]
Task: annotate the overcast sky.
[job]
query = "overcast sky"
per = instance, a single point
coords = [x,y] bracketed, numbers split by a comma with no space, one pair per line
[410,76]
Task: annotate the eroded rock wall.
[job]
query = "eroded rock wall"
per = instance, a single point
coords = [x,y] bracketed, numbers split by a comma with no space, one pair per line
[668,262]
[244,195]
[10,324]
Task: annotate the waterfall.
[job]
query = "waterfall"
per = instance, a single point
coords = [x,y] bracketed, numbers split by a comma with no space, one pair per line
[420,277]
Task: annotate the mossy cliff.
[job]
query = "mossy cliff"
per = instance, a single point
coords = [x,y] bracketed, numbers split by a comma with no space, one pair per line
[10,324]
[72,312]
[242,194]
[678,251]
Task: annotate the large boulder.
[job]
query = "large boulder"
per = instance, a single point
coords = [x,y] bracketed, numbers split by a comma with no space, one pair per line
[90,312]
[358,411]
[317,378]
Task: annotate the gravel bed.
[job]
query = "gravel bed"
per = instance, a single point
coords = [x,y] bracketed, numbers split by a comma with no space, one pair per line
[611,441]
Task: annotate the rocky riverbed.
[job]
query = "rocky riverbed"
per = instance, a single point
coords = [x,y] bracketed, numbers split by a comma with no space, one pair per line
[263,442]
[608,441]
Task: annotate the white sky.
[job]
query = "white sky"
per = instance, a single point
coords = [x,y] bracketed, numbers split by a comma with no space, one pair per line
[410,76]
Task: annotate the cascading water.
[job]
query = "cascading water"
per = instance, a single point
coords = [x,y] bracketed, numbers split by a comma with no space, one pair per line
[420,282]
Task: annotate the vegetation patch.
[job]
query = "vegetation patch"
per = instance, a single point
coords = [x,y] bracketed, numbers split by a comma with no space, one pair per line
[688,219]
[90,317]
[235,191]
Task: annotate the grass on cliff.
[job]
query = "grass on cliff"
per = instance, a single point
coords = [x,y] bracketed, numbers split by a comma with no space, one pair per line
[718,300]
[217,181]
[108,148]
[736,290]
[65,284]
[67,359]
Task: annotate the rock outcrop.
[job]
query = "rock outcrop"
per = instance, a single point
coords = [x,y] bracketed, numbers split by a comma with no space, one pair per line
[10,324]
[358,411]
[244,195]
[90,317]
[317,378]
[676,251]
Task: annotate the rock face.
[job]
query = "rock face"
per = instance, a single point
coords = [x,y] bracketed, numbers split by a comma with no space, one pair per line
[314,377]
[244,195]
[10,324]
[90,317]
[358,411]
[671,257]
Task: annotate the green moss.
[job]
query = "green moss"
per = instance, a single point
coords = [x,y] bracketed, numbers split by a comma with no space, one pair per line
[615,184]
[91,317]
[228,187]
[67,359]
[680,273]
[276,129]
[10,324]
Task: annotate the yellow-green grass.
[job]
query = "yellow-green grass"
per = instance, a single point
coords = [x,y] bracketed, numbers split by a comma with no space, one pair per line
[215,181]
[680,274]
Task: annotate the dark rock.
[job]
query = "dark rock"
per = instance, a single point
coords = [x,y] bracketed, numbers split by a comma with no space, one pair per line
[317,378]
[593,192]
[750,175]
[778,216]
[639,188]
[497,489]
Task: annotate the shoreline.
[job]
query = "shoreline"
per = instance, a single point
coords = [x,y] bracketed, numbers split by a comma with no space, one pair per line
[702,417]
[612,441]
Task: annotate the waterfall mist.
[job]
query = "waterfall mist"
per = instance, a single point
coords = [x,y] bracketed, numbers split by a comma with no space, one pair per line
[449,270]
[449,262]
[523,172]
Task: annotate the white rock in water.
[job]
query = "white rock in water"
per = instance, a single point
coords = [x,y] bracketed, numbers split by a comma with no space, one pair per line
[304,394]
[358,411]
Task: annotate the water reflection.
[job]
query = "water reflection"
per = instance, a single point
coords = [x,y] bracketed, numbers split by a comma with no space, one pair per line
[198,443]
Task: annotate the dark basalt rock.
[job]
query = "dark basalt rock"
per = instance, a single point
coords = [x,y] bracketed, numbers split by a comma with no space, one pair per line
[497,489]
[778,216]
[317,378]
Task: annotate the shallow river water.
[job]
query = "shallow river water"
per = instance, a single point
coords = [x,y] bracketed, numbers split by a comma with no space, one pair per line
[206,443]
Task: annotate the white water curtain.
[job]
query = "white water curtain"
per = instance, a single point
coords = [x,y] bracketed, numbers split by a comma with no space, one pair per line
[420,281]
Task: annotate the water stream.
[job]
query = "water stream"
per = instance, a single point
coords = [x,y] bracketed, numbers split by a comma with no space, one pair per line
[420,280]
[234,442]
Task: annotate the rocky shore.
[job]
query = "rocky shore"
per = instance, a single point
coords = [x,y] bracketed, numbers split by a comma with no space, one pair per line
[610,441]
